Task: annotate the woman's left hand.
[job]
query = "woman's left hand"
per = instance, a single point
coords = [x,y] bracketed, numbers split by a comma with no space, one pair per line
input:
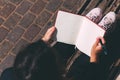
[48,35]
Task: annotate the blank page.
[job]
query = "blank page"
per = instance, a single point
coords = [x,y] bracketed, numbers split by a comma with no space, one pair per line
[89,31]
[67,25]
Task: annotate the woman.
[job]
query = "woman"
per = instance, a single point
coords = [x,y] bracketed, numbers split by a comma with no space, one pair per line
[38,61]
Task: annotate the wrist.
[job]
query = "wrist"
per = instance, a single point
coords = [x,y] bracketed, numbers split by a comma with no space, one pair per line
[44,40]
[94,59]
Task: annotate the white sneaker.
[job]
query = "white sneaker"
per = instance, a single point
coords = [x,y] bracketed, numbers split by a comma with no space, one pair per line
[107,20]
[95,15]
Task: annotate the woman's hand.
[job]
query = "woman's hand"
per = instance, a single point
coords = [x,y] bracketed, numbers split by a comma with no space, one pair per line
[48,35]
[96,49]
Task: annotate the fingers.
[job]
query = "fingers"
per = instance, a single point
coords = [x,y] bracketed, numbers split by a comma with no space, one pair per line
[102,39]
[48,35]
[51,30]
[98,41]
[96,49]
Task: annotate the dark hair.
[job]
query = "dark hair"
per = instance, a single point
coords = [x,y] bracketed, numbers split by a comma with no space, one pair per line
[36,62]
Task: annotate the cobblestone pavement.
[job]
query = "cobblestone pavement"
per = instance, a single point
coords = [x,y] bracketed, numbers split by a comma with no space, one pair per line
[25,21]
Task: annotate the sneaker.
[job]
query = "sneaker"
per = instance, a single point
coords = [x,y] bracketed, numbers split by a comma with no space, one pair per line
[95,15]
[107,20]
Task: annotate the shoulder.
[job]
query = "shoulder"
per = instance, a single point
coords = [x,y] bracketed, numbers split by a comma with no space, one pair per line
[8,71]
[8,74]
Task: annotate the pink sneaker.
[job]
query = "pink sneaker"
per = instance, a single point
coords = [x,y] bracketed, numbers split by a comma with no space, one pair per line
[95,15]
[107,20]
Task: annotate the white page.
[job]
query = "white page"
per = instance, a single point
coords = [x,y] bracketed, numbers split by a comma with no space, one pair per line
[87,36]
[67,25]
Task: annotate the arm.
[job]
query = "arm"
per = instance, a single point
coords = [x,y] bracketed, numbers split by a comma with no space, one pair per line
[8,74]
[95,71]
[65,50]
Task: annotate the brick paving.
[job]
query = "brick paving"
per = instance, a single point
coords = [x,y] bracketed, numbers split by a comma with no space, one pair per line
[25,21]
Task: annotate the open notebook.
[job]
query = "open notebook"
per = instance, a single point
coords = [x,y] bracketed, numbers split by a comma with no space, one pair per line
[77,30]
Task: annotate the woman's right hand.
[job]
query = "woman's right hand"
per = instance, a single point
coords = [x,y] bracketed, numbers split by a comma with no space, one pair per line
[96,49]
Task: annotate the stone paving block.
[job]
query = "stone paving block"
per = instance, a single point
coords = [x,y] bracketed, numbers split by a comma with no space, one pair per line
[27,20]
[38,6]
[24,7]
[54,5]
[46,0]
[4,48]
[7,10]
[15,1]
[15,34]
[43,18]
[1,20]
[8,62]
[3,33]
[32,31]
[12,21]
[49,24]
[20,45]
[33,0]
[2,3]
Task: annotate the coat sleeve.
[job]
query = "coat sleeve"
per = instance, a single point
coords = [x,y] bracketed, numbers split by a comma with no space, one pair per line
[90,71]
[8,74]
[93,71]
